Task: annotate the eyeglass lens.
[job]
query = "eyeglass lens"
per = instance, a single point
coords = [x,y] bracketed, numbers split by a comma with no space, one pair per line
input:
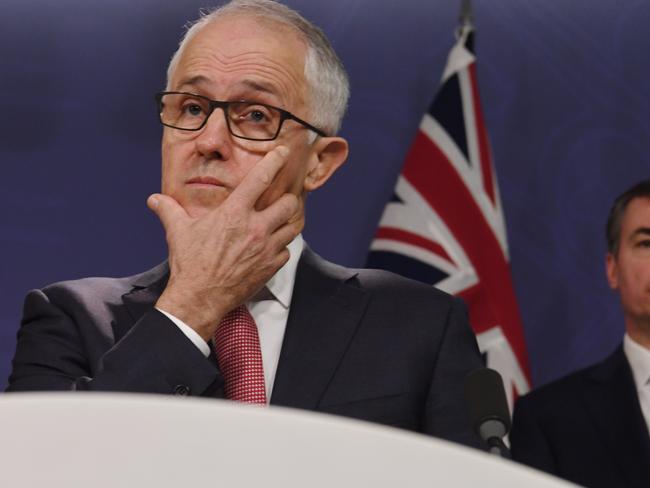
[245,119]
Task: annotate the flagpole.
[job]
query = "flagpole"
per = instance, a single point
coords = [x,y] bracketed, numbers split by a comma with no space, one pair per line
[465,19]
[466,12]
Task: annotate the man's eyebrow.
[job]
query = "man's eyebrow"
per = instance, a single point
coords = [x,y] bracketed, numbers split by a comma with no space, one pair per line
[641,231]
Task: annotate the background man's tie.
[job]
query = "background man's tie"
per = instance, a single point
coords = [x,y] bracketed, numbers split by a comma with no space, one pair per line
[237,346]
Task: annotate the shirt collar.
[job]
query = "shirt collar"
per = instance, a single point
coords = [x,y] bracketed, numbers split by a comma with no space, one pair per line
[639,359]
[281,284]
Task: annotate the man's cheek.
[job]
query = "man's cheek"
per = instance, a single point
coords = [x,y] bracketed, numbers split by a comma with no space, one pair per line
[167,184]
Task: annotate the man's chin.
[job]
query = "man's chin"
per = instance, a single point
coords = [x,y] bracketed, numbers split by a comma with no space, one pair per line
[197,211]
[202,202]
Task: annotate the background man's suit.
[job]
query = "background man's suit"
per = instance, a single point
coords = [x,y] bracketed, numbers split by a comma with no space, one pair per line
[360,343]
[587,427]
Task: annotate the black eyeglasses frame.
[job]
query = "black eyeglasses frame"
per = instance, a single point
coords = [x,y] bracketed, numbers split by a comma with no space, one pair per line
[214,104]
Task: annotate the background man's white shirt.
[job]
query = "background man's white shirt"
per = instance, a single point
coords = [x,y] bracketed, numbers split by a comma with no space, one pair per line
[639,359]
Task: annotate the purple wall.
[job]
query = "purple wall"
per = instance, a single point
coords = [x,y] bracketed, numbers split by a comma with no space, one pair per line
[565,94]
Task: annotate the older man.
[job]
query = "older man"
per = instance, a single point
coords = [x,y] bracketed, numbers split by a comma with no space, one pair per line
[592,426]
[243,309]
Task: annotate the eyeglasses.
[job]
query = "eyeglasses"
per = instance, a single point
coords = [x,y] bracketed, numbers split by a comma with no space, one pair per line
[247,120]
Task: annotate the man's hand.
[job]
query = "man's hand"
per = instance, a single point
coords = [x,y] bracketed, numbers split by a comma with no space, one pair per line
[221,259]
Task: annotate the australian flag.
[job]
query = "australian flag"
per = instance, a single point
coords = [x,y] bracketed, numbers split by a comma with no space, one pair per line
[444,224]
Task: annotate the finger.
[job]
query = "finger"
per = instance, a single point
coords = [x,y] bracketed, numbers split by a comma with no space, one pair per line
[260,177]
[280,211]
[283,236]
[280,259]
[168,210]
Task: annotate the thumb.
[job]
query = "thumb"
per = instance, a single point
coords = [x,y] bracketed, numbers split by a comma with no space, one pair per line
[168,210]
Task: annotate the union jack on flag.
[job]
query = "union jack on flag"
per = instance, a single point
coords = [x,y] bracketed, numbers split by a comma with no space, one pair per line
[444,225]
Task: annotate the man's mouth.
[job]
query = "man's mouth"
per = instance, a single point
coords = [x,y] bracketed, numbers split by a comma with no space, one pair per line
[204,180]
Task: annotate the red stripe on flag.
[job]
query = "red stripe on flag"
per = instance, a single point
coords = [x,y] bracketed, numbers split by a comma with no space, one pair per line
[483,142]
[428,169]
[400,235]
[483,317]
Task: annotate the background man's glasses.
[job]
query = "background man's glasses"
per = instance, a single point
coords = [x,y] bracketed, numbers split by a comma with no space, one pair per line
[247,120]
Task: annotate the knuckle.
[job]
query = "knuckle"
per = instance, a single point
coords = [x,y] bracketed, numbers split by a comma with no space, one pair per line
[233,216]
[293,203]
[289,204]
[256,232]
[265,178]
[282,257]
[257,236]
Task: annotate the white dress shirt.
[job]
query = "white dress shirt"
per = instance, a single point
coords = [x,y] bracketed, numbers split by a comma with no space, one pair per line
[270,315]
[639,359]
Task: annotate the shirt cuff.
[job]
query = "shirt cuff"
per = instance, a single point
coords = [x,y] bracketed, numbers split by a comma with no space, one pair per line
[190,333]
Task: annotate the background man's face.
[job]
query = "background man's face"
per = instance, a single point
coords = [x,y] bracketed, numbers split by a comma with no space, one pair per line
[629,271]
[236,58]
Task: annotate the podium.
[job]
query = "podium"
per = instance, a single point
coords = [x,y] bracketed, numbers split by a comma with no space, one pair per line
[98,440]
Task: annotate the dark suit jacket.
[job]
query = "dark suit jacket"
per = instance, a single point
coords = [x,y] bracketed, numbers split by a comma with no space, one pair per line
[587,427]
[366,344]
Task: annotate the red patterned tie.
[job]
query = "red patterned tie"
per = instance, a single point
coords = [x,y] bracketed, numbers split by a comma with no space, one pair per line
[237,346]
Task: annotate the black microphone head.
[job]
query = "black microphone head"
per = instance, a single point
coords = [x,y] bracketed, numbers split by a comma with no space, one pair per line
[487,403]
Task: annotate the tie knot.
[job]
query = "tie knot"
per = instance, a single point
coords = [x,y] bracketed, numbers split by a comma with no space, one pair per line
[238,351]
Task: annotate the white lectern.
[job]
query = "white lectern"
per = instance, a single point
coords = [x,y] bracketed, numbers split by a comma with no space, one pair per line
[93,440]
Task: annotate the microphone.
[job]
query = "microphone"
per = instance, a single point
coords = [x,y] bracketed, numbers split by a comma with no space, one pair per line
[488,408]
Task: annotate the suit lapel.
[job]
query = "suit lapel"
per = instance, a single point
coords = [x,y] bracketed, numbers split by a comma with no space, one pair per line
[612,401]
[146,288]
[325,311]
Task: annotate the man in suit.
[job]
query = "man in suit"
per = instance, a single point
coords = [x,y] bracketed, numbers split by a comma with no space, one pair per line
[592,426]
[243,309]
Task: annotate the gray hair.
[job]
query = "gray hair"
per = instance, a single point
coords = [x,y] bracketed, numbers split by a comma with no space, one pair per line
[327,81]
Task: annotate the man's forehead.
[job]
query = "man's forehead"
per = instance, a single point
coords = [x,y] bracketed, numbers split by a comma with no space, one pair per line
[234,45]
[637,213]
[232,34]
[201,81]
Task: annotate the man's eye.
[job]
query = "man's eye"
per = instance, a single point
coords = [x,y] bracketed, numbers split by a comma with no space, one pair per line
[257,116]
[193,109]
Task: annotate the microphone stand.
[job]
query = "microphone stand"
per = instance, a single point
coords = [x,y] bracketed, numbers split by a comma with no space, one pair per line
[492,432]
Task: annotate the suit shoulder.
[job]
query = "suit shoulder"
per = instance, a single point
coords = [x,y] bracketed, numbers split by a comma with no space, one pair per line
[380,282]
[556,394]
[379,278]
[386,281]
[105,289]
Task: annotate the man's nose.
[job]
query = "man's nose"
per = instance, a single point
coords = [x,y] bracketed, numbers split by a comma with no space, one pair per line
[214,139]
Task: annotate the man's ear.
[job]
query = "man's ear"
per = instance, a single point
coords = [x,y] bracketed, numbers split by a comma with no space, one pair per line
[328,155]
[611,266]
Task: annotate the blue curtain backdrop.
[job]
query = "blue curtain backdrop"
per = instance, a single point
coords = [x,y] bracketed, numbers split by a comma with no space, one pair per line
[567,103]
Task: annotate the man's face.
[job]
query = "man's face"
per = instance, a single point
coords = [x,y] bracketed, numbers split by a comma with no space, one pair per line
[629,270]
[237,58]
